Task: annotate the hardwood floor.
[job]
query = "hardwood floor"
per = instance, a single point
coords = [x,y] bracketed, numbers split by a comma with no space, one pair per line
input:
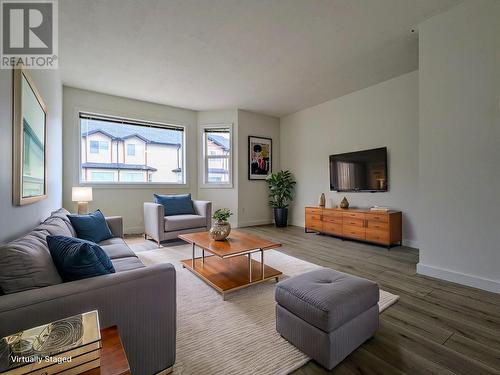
[435,328]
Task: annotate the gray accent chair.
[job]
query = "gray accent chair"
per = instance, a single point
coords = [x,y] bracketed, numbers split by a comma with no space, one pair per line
[327,314]
[160,226]
[139,300]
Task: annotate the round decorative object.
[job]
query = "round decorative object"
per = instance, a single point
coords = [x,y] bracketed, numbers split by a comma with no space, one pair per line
[344,203]
[220,230]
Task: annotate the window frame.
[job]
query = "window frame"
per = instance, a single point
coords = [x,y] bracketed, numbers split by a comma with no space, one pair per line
[205,157]
[133,120]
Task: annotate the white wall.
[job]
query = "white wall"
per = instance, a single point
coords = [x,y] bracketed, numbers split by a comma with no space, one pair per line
[460,145]
[253,207]
[385,114]
[220,197]
[16,220]
[119,200]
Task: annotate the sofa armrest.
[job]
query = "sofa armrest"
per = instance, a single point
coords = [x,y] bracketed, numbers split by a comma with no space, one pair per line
[115,224]
[140,302]
[154,218]
[204,208]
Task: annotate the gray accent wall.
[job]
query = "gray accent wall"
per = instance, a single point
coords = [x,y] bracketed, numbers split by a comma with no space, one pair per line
[17,220]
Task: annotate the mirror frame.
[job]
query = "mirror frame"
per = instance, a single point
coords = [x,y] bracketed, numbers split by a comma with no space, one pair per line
[19,72]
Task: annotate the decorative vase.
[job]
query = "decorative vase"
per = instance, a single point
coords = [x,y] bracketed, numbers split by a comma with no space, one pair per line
[322,200]
[220,230]
[344,203]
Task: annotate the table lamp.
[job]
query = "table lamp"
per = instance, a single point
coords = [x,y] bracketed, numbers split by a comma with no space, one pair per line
[82,195]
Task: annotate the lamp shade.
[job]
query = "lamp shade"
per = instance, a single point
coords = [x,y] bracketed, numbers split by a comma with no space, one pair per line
[81,194]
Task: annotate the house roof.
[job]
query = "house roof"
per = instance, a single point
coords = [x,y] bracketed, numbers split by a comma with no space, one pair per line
[220,140]
[148,135]
[120,132]
[140,167]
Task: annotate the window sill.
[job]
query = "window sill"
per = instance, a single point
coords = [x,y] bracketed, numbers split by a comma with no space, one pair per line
[216,186]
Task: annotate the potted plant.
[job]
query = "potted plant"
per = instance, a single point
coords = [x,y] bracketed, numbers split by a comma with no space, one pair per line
[281,187]
[221,227]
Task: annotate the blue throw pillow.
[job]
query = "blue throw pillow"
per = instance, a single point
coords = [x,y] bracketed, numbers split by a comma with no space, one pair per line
[91,227]
[180,204]
[77,259]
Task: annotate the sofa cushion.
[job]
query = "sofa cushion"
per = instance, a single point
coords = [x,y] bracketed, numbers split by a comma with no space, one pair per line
[26,263]
[180,204]
[91,227]
[77,259]
[180,222]
[58,224]
[116,248]
[326,298]
[127,264]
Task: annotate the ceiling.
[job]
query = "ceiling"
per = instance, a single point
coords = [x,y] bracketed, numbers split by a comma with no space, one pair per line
[268,56]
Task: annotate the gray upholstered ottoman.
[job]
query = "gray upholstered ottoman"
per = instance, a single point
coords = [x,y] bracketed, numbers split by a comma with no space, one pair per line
[327,314]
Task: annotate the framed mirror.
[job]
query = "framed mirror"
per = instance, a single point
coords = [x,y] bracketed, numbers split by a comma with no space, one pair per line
[29,139]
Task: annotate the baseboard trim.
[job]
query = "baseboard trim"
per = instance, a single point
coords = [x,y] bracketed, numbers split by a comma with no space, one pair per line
[133,230]
[252,223]
[410,243]
[459,278]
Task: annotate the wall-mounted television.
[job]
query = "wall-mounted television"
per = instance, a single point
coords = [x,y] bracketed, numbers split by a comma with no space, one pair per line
[360,171]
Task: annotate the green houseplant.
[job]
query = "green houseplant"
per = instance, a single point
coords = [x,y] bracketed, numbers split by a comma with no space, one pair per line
[221,227]
[281,189]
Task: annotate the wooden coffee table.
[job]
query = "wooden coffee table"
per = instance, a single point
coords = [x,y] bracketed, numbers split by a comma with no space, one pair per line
[230,266]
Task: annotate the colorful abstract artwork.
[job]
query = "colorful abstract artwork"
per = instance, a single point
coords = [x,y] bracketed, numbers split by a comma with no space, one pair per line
[259,157]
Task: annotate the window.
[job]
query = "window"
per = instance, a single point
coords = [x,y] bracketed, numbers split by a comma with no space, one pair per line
[118,150]
[130,149]
[97,147]
[217,145]
[102,176]
[133,177]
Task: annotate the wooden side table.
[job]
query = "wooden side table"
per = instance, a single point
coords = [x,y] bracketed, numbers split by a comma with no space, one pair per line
[113,358]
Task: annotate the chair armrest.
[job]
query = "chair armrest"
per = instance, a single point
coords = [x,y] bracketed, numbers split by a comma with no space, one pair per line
[115,224]
[140,302]
[154,217]
[204,208]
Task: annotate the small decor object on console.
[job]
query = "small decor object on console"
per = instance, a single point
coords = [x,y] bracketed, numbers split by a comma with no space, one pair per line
[379,208]
[68,345]
[322,200]
[221,228]
[344,203]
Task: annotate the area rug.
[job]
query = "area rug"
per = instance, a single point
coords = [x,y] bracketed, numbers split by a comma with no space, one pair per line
[235,336]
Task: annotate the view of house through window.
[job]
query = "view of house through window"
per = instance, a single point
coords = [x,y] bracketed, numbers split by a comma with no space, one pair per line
[115,150]
[217,155]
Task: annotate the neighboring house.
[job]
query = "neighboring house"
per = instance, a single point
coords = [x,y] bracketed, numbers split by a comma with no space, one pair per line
[117,153]
[218,168]
[113,152]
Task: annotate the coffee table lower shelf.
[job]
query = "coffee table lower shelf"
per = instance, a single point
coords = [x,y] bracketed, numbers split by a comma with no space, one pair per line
[229,274]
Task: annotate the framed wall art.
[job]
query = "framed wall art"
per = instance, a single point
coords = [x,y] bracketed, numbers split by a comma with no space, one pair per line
[259,157]
[29,141]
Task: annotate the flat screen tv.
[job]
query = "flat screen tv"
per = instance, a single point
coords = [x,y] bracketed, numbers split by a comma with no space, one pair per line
[363,171]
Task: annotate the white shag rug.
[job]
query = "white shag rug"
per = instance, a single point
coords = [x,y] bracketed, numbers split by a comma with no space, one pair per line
[235,336]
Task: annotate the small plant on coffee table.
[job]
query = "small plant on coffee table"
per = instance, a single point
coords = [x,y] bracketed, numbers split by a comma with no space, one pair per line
[222,214]
[221,228]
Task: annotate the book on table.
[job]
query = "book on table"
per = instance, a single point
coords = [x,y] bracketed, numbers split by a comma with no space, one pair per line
[67,346]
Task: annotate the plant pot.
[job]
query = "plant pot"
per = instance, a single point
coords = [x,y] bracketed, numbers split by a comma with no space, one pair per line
[281,217]
[220,230]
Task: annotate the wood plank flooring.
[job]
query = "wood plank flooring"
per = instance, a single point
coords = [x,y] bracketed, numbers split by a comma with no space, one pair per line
[435,328]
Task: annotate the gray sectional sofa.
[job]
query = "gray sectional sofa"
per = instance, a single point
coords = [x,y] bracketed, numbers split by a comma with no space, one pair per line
[139,300]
